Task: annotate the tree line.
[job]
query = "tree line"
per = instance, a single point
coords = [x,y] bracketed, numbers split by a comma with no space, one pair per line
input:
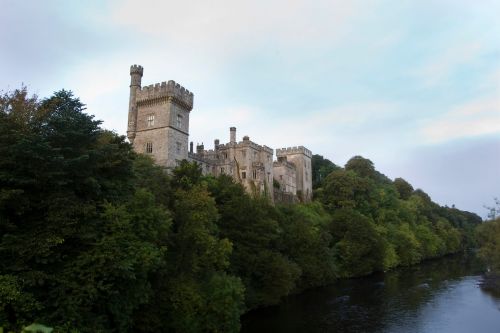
[488,238]
[96,238]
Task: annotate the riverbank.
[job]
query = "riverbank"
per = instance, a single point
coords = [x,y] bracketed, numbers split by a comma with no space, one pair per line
[491,284]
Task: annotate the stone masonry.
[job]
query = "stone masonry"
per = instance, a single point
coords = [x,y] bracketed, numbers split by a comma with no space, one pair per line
[158,125]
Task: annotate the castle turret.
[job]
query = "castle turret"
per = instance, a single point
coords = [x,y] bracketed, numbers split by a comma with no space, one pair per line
[158,119]
[232,134]
[136,72]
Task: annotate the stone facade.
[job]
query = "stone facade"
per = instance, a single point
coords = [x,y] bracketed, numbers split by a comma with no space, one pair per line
[158,125]
[285,173]
[249,163]
[300,157]
[158,119]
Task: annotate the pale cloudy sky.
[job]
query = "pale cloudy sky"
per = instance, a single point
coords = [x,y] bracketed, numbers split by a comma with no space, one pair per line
[412,85]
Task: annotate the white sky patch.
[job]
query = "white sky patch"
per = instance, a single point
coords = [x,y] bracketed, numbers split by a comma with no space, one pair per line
[225,26]
[210,124]
[476,118]
[443,65]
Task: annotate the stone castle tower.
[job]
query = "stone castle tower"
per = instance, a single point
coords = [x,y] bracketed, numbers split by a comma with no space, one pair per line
[158,125]
[300,157]
[158,119]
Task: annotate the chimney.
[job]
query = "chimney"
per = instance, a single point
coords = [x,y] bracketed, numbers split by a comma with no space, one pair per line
[191,147]
[216,144]
[232,134]
[200,149]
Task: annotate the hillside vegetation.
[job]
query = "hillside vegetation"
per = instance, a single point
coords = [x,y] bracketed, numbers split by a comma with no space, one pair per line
[488,238]
[95,238]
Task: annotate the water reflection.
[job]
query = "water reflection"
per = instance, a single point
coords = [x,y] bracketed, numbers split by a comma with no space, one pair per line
[437,296]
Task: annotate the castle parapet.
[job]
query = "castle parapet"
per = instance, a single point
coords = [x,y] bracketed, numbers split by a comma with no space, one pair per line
[293,150]
[136,69]
[157,93]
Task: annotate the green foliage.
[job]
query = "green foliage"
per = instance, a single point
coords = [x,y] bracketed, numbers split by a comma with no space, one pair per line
[251,225]
[404,188]
[406,244]
[362,166]
[95,238]
[488,235]
[321,168]
[344,189]
[306,241]
[359,248]
[38,328]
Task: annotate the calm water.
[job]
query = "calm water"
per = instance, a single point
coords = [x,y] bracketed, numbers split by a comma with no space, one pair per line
[438,296]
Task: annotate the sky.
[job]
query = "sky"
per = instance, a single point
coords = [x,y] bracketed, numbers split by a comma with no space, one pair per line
[412,85]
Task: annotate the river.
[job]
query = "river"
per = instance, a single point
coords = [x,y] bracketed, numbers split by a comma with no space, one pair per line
[441,295]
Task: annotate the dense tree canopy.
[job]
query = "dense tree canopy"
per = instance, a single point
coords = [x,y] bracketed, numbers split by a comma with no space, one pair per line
[95,238]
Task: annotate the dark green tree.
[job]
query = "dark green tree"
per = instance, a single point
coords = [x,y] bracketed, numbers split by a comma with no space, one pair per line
[321,168]
[404,188]
[251,224]
[359,248]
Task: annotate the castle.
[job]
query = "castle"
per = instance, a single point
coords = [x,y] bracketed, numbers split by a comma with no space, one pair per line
[158,125]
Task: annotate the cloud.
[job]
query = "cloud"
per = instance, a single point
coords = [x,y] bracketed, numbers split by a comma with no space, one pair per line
[226,26]
[445,64]
[476,118]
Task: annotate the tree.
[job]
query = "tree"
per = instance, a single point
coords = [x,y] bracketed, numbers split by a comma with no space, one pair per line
[404,188]
[198,263]
[305,240]
[362,166]
[251,224]
[488,235]
[321,168]
[345,189]
[358,247]
[66,211]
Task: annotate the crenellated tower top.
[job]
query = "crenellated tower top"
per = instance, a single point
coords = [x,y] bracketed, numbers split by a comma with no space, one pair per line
[157,93]
[293,150]
[136,69]
[136,72]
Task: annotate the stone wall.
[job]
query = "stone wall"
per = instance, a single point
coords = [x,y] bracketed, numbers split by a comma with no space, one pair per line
[301,158]
[159,115]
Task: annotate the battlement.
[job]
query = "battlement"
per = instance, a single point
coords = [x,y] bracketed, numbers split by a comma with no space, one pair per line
[247,144]
[293,150]
[136,69]
[156,93]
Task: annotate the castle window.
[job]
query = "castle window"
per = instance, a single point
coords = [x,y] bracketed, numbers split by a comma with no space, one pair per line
[243,175]
[179,121]
[178,147]
[151,120]
[149,147]
[221,170]
[255,174]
